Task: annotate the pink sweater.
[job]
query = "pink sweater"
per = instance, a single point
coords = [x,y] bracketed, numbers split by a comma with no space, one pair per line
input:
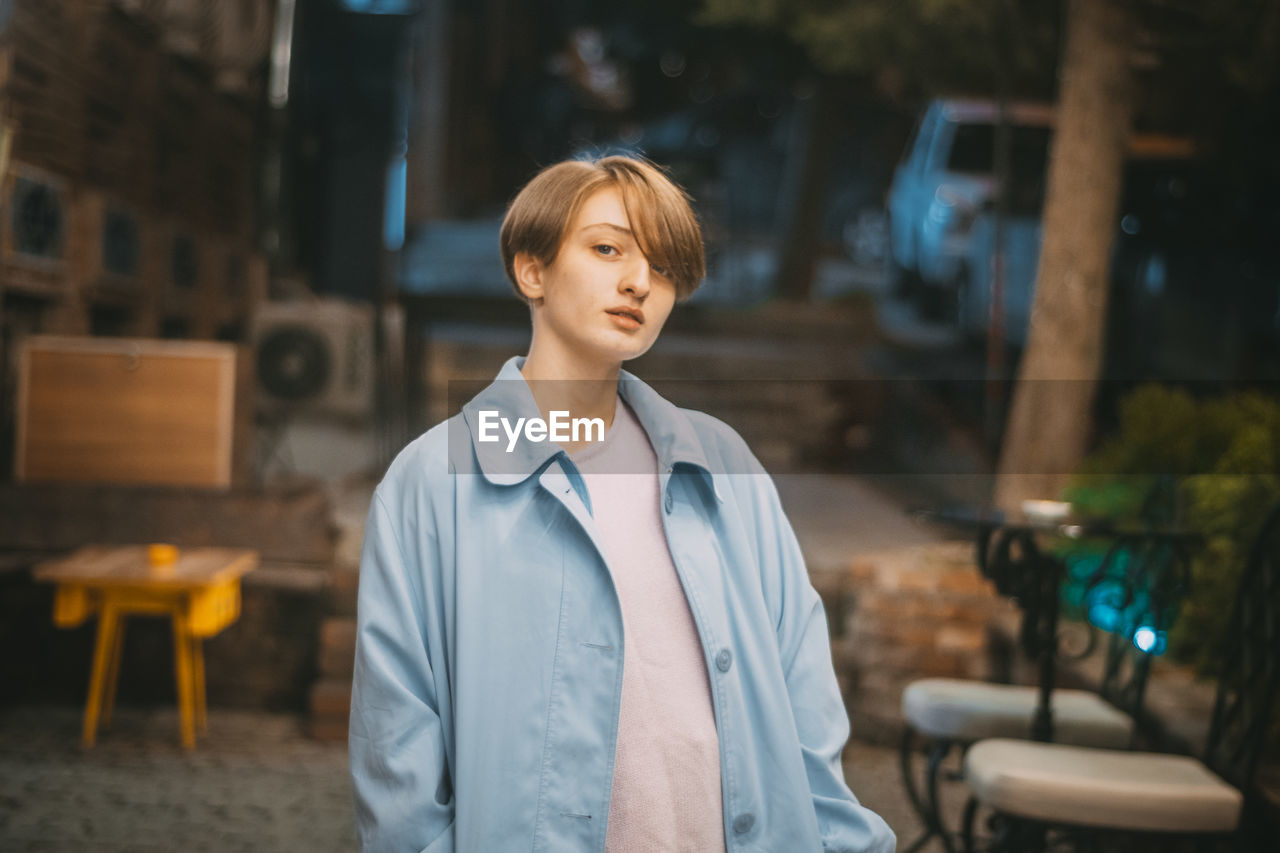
[666,776]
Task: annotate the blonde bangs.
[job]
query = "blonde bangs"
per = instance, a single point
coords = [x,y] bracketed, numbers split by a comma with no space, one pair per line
[662,220]
[665,227]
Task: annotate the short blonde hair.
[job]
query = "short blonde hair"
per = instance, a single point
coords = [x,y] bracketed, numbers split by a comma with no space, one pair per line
[664,224]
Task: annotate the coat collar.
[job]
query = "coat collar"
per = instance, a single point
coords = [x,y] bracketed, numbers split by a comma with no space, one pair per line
[669,430]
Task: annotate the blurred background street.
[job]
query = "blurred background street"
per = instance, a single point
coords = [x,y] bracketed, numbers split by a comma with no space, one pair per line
[992,291]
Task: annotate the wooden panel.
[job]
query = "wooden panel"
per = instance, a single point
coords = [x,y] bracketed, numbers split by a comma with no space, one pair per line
[94,410]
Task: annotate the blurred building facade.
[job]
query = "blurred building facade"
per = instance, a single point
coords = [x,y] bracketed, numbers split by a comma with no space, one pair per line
[129,133]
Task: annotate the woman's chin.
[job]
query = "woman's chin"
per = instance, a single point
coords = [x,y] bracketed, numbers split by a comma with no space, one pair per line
[617,352]
[634,352]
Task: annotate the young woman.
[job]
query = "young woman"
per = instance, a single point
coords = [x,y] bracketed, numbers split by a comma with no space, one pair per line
[600,638]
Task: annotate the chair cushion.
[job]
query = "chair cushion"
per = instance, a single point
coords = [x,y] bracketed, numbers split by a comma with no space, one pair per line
[963,710]
[1141,791]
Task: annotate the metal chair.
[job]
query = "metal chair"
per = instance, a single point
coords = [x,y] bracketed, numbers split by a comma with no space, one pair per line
[1083,794]
[942,715]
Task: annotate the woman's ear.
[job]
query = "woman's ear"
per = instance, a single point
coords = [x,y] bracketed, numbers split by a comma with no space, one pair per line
[528,270]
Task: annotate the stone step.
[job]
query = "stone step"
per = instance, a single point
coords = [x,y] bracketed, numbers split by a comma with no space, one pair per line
[329,704]
[330,697]
[337,653]
[344,586]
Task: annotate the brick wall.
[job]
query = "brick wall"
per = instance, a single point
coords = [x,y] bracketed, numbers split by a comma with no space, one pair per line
[911,613]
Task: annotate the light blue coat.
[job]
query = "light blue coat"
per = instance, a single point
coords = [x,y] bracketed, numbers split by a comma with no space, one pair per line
[488,667]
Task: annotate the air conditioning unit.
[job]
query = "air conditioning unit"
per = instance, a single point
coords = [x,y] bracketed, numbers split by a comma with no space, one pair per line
[314,356]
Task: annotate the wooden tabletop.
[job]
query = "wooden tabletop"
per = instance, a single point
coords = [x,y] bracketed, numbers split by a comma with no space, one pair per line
[127,565]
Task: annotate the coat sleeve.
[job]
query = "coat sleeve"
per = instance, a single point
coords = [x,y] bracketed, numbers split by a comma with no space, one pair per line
[821,720]
[399,770]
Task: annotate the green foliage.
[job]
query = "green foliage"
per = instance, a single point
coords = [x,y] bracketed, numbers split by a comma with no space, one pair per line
[1224,452]
[934,45]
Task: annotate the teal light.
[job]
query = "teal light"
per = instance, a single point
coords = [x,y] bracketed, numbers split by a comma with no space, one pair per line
[1103,593]
[1105,605]
[1081,567]
[1150,641]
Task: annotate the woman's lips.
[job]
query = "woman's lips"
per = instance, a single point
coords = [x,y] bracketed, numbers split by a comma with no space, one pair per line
[625,318]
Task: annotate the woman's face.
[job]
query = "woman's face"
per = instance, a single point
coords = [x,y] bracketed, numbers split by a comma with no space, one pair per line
[602,303]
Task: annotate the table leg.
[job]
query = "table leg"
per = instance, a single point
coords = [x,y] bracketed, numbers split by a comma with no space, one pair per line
[202,711]
[184,676]
[97,679]
[113,672]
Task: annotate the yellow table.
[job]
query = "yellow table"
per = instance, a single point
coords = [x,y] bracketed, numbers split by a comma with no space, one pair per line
[200,592]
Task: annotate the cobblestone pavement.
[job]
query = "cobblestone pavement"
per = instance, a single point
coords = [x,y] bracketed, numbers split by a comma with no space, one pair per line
[874,776]
[254,783]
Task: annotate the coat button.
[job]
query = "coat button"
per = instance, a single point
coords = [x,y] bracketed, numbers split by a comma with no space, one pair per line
[668,503]
[724,660]
[743,822]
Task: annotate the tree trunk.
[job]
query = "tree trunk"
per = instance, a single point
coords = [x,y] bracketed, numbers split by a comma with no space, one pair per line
[805,197]
[1051,414]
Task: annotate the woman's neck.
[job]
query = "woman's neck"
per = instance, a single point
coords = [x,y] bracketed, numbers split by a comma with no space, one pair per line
[579,386]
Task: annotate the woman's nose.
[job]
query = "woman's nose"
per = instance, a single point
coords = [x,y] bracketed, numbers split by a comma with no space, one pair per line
[636,279]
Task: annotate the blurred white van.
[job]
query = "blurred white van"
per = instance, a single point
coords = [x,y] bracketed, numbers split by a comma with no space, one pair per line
[947,175]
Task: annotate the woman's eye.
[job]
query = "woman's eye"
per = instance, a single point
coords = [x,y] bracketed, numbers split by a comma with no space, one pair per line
[606,250]
[662,271]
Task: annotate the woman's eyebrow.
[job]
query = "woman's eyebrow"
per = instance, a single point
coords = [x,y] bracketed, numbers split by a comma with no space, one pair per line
[610,225]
